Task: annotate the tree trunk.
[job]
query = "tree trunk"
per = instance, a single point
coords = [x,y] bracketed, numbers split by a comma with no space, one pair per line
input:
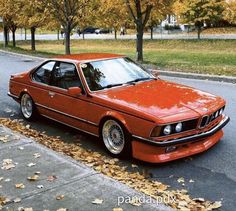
[115,33]
[25,34]
[67,39]
[151,32]
[14,38]
[139,44]
[83,36]
[199,32]
[58,34]
[5,30]
[33,29]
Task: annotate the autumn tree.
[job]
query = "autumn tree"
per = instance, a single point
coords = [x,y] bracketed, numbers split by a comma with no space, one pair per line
[32,15]
[230,11]
[199,12]
[112,14]
[140,11]
[68,14]
[8,11]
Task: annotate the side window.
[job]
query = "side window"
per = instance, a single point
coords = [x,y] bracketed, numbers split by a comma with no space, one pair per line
[65,75]
[43,73]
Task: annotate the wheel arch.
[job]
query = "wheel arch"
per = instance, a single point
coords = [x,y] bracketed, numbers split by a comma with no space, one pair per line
[115,116]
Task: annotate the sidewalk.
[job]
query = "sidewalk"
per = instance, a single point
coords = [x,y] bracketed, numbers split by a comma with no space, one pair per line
[33,176]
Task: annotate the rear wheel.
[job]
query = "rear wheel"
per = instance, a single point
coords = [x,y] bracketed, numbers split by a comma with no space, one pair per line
[27,107]
[116,139]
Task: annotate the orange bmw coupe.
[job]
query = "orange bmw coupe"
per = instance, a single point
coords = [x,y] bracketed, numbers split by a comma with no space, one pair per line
[112,97]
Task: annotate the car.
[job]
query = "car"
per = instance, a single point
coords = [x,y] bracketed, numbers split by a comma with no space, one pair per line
[115,99]
[89,30]
[102,31]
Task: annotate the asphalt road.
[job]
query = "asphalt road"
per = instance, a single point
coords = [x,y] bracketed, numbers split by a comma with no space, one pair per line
[213,172]
[159,36]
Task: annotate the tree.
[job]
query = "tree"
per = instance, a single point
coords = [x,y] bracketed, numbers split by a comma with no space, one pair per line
[8,11]
[140,11]
[112,14]
[200,12]
[68,14]
[230,11]
[32,15]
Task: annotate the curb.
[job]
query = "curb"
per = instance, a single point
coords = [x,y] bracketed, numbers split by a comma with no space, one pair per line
[198,76]
[227,79]
[22,55]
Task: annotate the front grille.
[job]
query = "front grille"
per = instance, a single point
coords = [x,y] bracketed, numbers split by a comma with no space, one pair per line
[206,120]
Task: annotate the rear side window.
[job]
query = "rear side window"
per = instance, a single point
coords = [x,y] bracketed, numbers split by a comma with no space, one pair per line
[43,73]
[65,75]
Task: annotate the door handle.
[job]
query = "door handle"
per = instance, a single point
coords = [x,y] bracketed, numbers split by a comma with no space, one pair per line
[51,94]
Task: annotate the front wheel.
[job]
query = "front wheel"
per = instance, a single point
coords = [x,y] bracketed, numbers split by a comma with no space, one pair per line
[27,107]
[116,139]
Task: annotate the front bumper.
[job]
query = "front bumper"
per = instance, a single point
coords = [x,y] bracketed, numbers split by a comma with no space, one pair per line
[187,139]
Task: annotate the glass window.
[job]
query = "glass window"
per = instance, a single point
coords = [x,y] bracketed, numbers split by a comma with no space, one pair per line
[43,74]
[113,72]
[65,76]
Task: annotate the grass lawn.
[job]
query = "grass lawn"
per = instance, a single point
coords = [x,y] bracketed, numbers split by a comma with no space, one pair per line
[206,56]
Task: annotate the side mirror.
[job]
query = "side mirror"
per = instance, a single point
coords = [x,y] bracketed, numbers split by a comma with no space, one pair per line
[74,91]
[155,72]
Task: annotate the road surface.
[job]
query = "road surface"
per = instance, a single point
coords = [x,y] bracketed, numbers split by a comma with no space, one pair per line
[213,172]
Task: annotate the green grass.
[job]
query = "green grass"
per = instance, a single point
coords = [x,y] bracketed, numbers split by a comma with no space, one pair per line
[216,57]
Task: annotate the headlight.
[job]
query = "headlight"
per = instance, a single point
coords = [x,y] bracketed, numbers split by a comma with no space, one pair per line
[178,127]
[167,130]
[217,114]
[221,111]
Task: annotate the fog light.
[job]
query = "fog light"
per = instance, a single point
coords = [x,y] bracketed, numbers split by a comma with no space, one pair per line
[167,130]
[171,149]
[178,127]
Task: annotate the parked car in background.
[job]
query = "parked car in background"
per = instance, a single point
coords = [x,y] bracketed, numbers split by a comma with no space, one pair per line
[89,30]
[114,98]
[102,31]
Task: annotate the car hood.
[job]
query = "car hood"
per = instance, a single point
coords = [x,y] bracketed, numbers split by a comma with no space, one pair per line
[161,98]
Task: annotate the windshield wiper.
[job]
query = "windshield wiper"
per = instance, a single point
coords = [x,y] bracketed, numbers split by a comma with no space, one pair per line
[141,79]
[111,85]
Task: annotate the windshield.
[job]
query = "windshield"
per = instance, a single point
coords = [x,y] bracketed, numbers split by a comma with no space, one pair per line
[113,72]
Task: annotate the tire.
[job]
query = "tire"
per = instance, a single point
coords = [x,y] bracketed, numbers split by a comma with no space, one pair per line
[116,139]
[27,107]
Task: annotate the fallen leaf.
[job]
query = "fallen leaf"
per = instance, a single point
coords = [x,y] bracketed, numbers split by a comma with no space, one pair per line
[181,180]
[135,202]
[31,164]
[199,199]
[62,209]
[21,148]
[17,200]
[60,197]
[27,126]
[7,180]
[20,186]
[37,173]
[28,209]
[117,209]
[7,164]
[134,166]
[33,178]
[97,201]
[37,155]
[51,178]
[191,181]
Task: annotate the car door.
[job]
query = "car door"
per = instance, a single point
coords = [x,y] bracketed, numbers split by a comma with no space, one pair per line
[66,108]
[40,91]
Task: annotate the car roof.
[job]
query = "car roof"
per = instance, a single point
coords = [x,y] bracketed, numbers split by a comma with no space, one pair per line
[87,57]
